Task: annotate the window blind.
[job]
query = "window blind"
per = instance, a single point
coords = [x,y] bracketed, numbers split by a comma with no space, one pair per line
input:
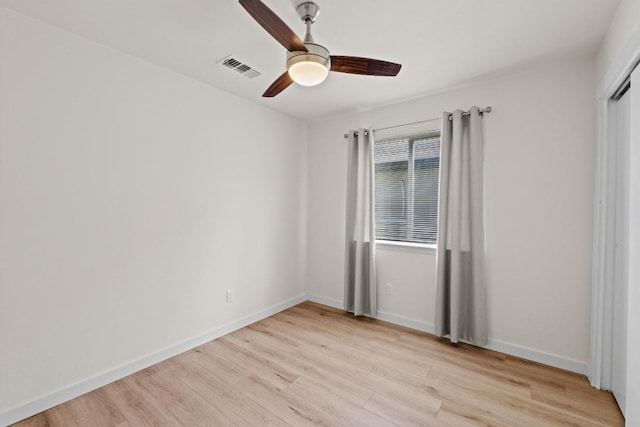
[406,188]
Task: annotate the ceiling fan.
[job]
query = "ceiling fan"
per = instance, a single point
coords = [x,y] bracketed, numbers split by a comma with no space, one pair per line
[309,63]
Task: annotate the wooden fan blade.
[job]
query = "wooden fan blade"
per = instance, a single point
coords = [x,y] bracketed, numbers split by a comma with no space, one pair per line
[273,24]
[281,83]
[367,66]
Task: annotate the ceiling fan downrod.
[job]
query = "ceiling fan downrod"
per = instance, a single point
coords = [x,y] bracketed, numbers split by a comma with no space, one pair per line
[308,11]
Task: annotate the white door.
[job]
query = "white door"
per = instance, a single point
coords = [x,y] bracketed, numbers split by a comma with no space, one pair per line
[622,112]
[632,412]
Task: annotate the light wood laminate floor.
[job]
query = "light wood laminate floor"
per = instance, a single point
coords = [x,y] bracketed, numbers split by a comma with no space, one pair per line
[316,365]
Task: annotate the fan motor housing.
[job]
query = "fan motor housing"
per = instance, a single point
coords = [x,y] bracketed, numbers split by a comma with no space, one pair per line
[316,53]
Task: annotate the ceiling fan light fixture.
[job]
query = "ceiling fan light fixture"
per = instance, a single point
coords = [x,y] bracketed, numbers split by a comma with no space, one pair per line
[309,68]
[308,63]
[308,73]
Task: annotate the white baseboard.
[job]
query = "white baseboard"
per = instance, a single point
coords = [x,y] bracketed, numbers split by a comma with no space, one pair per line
[329,302]
[418,325]
[496,345]
[70,392]
[538,356]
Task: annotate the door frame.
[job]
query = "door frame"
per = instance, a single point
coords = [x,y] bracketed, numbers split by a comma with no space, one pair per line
[603,266]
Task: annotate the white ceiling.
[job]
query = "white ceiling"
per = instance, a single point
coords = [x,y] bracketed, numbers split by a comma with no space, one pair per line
[440,43]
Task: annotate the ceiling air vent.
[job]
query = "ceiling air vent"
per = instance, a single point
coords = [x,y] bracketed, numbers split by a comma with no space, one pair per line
[240,68]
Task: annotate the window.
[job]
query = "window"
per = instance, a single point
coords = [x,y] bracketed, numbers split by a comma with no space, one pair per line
[406,179]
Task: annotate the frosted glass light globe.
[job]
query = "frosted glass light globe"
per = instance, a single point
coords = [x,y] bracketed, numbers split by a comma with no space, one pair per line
[308,73]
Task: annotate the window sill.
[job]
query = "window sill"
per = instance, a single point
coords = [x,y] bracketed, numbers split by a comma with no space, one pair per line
[406,246]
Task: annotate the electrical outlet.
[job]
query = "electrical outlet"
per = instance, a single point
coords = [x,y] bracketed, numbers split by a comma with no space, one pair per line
[388,289]
[229,296]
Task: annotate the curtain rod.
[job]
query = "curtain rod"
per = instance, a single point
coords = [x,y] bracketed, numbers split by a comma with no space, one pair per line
[464,113]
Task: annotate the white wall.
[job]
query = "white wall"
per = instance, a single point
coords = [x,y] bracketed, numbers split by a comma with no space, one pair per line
[539,185]
[131,198]
[625,22]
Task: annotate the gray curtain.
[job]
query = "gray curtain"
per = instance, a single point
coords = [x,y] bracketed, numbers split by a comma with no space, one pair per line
[460,292]
[360,289]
